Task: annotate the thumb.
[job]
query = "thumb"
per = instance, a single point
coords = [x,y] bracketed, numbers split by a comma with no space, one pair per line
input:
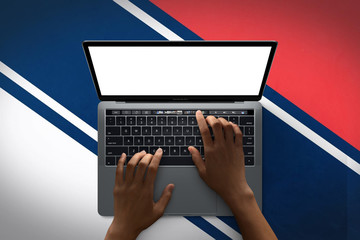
[198,161]
[165,198]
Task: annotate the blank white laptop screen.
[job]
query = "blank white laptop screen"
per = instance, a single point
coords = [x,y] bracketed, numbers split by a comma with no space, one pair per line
[179,70]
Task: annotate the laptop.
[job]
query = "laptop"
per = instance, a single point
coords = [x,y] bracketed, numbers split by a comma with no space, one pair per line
[150,91]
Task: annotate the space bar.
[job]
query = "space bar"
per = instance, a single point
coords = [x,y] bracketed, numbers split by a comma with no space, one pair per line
[174,160]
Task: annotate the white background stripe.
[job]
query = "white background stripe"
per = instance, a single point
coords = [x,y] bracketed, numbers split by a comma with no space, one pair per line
[48,101]
[146,18]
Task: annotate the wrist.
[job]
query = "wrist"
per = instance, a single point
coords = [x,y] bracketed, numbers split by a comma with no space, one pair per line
[240,198]
[118,231]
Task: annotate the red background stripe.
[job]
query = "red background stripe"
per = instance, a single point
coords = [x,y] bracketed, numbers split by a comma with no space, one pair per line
[317,63]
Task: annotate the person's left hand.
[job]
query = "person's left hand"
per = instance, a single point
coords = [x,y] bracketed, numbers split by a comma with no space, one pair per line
[134,207]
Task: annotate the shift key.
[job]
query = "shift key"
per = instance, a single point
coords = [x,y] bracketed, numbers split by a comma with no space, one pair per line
[116,150]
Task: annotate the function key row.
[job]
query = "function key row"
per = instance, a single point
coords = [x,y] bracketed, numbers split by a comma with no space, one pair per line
[170,120]
[179,112]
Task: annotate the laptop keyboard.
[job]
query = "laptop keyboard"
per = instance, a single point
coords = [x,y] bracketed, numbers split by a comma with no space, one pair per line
[131,131]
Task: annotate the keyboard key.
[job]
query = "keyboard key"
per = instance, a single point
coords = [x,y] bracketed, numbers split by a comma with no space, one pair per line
[248,151]
[177,130]
[112,130]
[146,148]
[149,140]
[151,120]
[167,130]
[234,119]
[120,120]
[141,120]
[126,112]
[153,150]
[196,130]
[125,130]
[249,130]
[198,140]
[190,141]
[116,150]
[184,151]
[202,150]
[138,140]
[159,141]
[114,140]
[128,140]
[248,140]
[172,121]
[161,120]
[112,112]
[246,120]
[242,129]
[110,120]
[192,121]
[187,131]
[135,112]
[182,120]
[174,151]
[166,151]
[133,150]
[130,120]
[169,140]
[249,161]
[179,140]
[146,112]
[110,161]
[146,130]
[156,130]
[136,130]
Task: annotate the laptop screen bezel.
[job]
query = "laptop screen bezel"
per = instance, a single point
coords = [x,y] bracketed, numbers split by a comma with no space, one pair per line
[192,98]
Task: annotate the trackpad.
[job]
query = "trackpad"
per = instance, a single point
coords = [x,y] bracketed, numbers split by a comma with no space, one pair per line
[191,195]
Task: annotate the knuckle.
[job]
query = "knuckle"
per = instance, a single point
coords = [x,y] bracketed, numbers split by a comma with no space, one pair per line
[131,164]
[152,168]
[142,164]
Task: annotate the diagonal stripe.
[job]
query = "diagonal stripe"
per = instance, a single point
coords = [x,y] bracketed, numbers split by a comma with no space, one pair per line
[207,227]
[146,18]
[48,101]
[311,135]
[230,232]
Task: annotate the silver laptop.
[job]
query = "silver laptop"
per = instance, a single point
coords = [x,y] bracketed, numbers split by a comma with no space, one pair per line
[149,92]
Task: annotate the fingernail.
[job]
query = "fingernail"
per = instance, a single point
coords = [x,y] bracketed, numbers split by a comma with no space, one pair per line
[142,151]
[159,150]
[172,187]
[198,111]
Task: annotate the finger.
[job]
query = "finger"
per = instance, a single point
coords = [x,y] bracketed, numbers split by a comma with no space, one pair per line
[238,135]
[119,177]
[228,130]
[216,127]
[164,200]
[139,175]
[153,166]
[129,173]
[204,130]
[198,161]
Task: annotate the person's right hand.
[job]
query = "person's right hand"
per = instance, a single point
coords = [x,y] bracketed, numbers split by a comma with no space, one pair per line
[224,168]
